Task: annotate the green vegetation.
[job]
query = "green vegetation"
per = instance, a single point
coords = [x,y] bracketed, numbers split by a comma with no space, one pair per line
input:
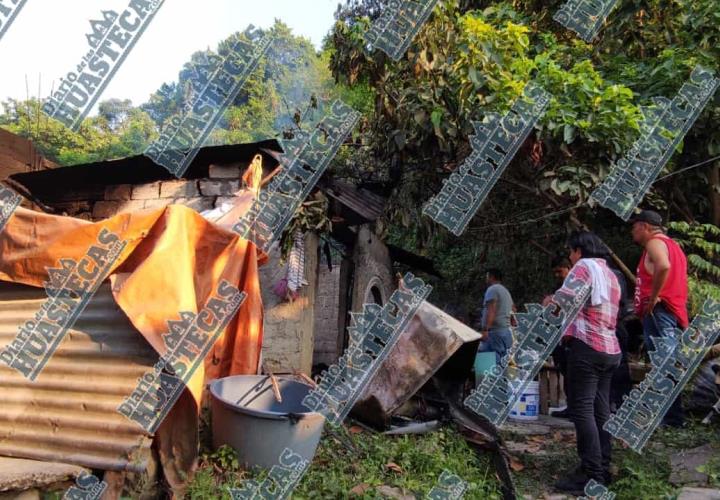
[473,57]
[284,81]
[637,475]
[410,463]
[701,243]
[413,464]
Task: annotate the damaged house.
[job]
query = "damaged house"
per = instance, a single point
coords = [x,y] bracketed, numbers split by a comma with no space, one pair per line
[50,422]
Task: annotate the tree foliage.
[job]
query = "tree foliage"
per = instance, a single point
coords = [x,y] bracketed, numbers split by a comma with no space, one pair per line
[285,79]
[474,57]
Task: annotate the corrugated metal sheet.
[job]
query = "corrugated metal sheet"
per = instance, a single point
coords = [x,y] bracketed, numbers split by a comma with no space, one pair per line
[365,203]
[428,342]
[69,413]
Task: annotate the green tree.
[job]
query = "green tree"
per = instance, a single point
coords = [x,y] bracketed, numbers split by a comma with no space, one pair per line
[473,57]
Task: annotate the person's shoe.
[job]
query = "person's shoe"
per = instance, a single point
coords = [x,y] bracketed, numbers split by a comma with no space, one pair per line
[673,424]
[607,478]
[573,483]
[561,414]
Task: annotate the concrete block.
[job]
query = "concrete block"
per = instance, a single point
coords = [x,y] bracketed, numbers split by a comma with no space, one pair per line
[74,207]
[156,203]
[131,206]
[218,187]
[224,199]
[231,171]
[118,192]
[105,209]
[19,474]
[146,191]
[179,189]
[199,204]
[689,493]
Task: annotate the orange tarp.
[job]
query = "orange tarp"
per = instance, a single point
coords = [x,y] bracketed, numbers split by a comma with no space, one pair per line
[173,261]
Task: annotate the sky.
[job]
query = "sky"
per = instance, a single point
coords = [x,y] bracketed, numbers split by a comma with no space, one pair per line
[47,39]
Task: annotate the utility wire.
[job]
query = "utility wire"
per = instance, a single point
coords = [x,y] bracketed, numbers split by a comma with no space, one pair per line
[530,221]
[578,205]
[688,168]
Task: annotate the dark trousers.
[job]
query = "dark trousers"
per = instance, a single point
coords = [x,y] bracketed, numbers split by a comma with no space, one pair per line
[559,356]
[589,376]
[662,323]
[621,382]
[499,342]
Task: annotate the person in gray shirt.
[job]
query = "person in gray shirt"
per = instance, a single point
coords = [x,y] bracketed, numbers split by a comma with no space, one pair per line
[496,317]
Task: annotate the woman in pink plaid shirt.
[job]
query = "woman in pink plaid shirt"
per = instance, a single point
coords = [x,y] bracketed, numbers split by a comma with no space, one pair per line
[593,354]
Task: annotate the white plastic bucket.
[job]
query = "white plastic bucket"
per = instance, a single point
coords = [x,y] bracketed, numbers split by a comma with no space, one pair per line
[528,406]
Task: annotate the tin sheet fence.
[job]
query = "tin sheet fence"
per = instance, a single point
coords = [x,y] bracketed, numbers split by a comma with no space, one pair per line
[69,414]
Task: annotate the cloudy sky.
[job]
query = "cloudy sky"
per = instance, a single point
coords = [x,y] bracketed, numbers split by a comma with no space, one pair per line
[47,39]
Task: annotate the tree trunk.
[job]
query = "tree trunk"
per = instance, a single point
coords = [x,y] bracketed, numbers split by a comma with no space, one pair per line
[714,179]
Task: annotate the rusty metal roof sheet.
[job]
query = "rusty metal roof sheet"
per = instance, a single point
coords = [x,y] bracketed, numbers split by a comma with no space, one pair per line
[363,202]
[69,413]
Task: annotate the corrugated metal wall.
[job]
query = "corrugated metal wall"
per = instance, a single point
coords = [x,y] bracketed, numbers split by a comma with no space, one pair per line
[69,413]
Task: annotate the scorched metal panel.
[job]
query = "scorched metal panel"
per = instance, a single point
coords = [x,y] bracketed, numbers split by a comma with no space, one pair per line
[69,413]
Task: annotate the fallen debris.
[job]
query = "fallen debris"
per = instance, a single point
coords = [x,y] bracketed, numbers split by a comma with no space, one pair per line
[545,425]
[686,466]
[414,428]
[480,433]
[392,492]
[428,342]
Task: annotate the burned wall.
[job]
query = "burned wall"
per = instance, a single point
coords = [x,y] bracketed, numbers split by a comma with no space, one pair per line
[288,329]
[330,309]
[289,326]
[373,278]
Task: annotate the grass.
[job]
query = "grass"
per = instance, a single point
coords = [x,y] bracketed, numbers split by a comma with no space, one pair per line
[646,475]
[412,464]
[637,475]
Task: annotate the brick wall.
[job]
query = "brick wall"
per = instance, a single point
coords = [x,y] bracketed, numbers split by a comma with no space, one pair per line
[18,155]
[327,313]
[372,268]
[97,203]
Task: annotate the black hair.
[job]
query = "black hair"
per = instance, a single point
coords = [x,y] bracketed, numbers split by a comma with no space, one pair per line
[495,273]
[560,260]
[590,245]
